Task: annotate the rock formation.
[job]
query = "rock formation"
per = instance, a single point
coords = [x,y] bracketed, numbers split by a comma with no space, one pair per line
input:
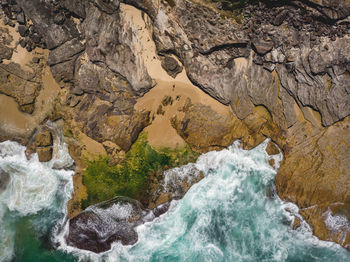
[280,69]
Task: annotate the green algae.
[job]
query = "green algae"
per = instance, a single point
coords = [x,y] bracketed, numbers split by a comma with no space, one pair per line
[132,177]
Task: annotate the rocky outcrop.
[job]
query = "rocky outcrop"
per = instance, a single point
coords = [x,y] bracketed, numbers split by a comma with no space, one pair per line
[282,67]
[98,226]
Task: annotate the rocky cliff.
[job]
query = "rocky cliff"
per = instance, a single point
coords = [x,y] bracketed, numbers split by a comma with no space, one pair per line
[201,73]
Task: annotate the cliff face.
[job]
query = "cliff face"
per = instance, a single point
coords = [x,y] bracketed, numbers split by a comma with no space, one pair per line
[279,70]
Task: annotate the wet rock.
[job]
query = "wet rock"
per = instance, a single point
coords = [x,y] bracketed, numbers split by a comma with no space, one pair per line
[296,223]
[62,59]
[171,66]
[272,149]
[77,7]
[44,153]
[4,180]
[98,226]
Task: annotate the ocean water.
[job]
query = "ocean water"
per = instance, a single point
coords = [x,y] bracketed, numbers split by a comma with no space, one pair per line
[230,215]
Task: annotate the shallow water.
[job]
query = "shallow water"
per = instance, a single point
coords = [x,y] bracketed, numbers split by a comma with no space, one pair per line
[230,215]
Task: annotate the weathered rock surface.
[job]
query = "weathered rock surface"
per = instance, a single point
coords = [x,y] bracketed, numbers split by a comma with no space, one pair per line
[98,226]
[171,66]
[43,139]
[44,153]
[283,69]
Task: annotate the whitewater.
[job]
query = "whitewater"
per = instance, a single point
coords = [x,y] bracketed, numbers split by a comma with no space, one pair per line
[232,214]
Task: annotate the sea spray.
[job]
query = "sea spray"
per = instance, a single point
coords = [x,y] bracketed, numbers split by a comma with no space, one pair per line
[36,195]
[227,216]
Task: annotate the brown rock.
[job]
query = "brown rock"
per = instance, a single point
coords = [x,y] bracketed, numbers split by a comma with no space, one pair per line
[43,139]
[44,154]
[163,198]
[272,149]
[296,223]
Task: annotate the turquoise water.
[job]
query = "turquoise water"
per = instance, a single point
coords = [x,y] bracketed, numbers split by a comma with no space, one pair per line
[230,215]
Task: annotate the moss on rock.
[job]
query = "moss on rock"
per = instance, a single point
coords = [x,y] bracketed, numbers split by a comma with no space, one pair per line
[130,178]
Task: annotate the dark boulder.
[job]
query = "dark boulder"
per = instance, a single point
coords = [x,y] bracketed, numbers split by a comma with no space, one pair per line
[98,226]
[171,66]
[22,30]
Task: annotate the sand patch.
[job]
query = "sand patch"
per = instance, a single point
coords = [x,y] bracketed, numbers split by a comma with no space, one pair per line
[160,132]
[90,148]
[12,120]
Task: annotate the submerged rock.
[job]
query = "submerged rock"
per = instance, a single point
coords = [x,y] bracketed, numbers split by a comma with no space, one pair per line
[4,180]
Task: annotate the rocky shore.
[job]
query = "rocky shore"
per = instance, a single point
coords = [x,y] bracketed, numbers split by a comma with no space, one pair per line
[187,73]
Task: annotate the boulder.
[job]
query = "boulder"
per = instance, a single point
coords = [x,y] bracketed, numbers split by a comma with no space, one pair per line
[44,153]
[43,139]
[98,226]
[171,66]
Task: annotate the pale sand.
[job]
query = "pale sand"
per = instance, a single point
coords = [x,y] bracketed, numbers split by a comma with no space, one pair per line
[91,149]
[160,132]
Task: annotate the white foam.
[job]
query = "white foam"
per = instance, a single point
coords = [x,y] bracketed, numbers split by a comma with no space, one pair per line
[33,187]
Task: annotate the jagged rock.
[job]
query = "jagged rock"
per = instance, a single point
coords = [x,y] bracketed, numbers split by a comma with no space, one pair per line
[106,111]
[42,16]
[44,154]
[77,7]
[272,149]
[98,226]
[110,221]
[314,166]
[62,59]
[117,51]
[296,223]
[19,84]
[333,9]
